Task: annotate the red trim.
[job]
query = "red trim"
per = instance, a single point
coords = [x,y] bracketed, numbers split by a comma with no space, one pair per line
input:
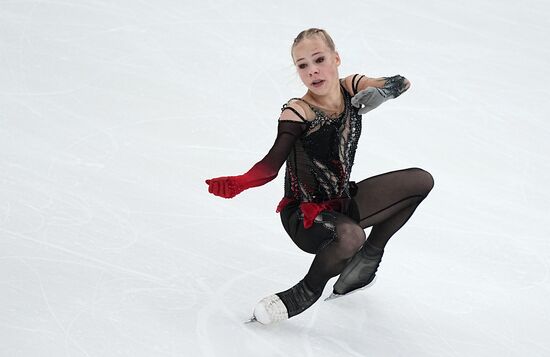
[312,209]
[285,201]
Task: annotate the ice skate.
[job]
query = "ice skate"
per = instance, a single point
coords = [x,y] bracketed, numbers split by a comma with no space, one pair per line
[284,305]
[360,273]
[334,295]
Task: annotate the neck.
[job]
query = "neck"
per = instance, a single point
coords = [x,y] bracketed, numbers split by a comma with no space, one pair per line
[331,100]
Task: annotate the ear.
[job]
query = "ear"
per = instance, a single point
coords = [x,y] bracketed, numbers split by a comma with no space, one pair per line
[337,57]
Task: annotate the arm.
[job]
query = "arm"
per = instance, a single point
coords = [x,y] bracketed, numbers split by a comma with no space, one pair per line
[359,82]
[289,129]
[369,93]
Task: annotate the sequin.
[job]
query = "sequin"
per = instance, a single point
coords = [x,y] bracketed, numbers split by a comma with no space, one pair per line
[318,167]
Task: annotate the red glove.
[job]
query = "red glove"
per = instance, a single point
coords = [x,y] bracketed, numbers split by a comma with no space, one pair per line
[227,186]
[231,186]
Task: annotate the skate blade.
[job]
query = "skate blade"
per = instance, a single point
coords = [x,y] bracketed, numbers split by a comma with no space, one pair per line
[251,320]
[336,296]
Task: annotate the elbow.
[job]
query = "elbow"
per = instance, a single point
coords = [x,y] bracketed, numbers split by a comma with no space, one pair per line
[406,84]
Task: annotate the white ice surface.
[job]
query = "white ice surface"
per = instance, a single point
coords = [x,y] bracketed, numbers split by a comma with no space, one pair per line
[112,114]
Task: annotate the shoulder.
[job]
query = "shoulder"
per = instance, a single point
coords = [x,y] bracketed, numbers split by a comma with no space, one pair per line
[296,109]
[355,83]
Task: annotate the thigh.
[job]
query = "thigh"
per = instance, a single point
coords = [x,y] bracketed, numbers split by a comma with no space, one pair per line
[316,237]
[387,193]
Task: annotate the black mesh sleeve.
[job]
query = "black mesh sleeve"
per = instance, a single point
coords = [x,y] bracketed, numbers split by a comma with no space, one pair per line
[267,169]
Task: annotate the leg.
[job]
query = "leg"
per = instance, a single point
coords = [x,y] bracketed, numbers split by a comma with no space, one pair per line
[344,240]
[334,238]
[385,202]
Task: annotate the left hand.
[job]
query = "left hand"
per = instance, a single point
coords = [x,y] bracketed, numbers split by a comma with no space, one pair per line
[396,85]
[371,97]
[368,99]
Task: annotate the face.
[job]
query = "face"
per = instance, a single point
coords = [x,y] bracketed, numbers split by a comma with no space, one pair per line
[316,64]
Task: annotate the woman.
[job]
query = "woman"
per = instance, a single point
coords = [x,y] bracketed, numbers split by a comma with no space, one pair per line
[322,210]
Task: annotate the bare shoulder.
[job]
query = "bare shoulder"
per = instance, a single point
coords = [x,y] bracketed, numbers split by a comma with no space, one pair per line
[347,83]
[296,110]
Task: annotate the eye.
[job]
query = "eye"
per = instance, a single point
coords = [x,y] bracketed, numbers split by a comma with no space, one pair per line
[302,65]
[320,60]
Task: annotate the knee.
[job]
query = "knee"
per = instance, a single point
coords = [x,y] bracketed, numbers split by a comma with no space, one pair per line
[350,238]
[425,181]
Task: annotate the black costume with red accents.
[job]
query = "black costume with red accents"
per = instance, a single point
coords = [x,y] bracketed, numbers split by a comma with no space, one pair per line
[322,210]
[318,167]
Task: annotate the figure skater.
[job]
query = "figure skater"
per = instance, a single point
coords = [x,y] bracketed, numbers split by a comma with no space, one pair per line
[322,211]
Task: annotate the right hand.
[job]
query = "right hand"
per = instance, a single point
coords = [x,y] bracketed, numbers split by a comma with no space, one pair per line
[226,186]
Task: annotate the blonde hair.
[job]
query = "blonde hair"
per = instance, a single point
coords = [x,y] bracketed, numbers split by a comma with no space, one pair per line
[310,33]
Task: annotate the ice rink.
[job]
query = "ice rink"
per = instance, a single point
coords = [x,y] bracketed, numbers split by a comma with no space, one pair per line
[113,113]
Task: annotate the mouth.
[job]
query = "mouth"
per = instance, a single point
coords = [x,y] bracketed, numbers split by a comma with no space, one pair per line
[317,83]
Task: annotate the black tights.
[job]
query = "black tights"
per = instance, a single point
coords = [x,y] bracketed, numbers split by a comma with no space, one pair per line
[385,202]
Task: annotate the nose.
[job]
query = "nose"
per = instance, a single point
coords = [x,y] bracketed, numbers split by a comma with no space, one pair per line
[313,70]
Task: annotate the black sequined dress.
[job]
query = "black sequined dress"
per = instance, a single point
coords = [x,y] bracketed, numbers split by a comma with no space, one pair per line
[318,167]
